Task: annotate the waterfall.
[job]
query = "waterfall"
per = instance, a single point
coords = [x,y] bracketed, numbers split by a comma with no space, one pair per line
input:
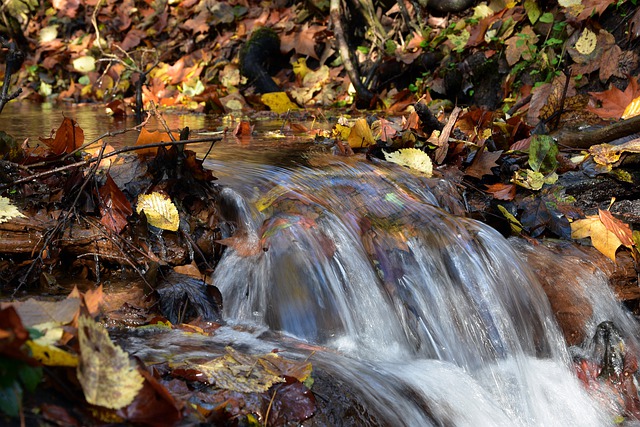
[433,316]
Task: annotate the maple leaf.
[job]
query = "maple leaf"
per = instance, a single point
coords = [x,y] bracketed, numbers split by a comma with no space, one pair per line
[483,164]
[614,101]
[606,232]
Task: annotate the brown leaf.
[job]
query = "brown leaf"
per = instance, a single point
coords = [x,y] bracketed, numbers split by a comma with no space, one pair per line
[244,128]
[614,101]
[145,137]
[115,208]
[502,191]
[483,164]
[443,139]
[617,227]
[68,138]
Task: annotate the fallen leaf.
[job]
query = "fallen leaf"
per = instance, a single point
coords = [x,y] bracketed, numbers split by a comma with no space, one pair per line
[8,211]
[159,210]
[608,154]
[482,166]
[145,137]
[68,138]
[360,135]
[115,207]
[501,191]
[107,376]
[278,102]
[614,101]
[617,227]
[412,158]
[238,372]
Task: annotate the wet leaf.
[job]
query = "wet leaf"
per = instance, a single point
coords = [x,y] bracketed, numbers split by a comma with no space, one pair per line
[278,102]
[533,180]
[502,191]
[412,158]
[542,154]
[543,212]
[632,110]
[608,154]
[115,207]
[238,372]
[8,211]
[84,64]
[159,210]
[35,312]
[514,224]
[50,355]
[107,376]
[68,138]
[587,42]
[145,137]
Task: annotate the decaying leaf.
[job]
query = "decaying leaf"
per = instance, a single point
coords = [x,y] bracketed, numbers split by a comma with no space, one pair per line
[483,164]
[238,372]
[412,158]
[606,232]
[533,180]
[502,191]
[107,376]
[159,210]
[608,154]
[8,211]
[115,208]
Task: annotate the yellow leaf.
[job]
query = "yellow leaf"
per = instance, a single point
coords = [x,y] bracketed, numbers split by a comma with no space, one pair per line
[602,238]
[159,210]
[238,372]
[278,102]
[412,158]
[587,42]
[360,135]
[300,68]
[8,211]
[107,376]
[50,355]
[632,110]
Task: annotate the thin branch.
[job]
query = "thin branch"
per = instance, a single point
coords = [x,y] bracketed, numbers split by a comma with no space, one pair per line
[97,158]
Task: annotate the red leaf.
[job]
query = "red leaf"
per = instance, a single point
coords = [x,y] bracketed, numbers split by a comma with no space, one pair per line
[617,227]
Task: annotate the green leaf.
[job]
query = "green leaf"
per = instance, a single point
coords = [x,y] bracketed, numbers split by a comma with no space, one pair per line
[10,398]
[533,10]
[542,154]
[546,18]
[30,376]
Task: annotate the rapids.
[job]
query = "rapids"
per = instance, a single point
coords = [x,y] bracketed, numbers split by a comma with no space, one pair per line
[433,317]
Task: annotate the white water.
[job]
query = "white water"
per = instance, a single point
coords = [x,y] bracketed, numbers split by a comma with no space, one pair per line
[434,318]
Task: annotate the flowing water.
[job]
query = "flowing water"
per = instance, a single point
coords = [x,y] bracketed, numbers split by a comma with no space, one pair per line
[434,319]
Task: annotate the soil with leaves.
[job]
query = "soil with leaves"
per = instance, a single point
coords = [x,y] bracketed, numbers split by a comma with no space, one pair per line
[530,106]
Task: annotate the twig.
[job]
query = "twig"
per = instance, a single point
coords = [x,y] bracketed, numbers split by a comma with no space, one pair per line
[15,57]
[110,154]
[345,53]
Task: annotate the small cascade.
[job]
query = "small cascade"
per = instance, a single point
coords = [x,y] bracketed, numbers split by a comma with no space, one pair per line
[434,317]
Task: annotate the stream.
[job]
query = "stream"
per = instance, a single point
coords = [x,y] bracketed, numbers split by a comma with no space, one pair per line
[430,317]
